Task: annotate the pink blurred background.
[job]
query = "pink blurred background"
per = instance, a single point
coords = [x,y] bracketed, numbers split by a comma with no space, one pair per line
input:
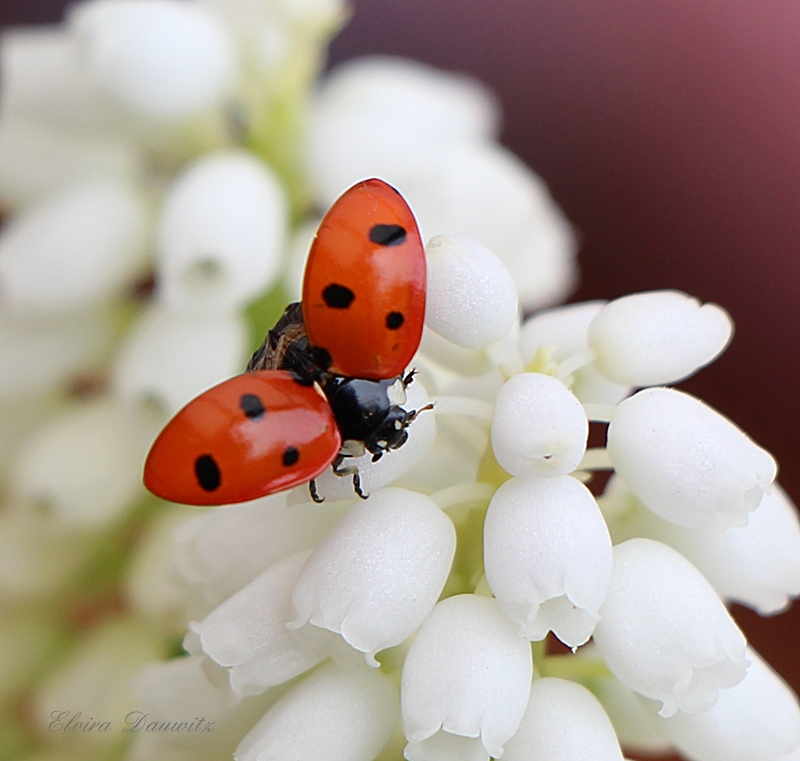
[670,135]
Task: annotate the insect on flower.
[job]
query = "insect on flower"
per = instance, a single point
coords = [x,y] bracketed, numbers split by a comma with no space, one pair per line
[329,382]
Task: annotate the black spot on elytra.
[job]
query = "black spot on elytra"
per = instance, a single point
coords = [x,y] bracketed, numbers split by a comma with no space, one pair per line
[290,456]
[387,235]
[338,296]
[252,406]
[322,357]
[394,320]
[207,472]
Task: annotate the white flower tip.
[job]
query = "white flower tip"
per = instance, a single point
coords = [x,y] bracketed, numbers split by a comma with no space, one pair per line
[649,339]
[539,427]
[164,59]
[472,299]
[222,233]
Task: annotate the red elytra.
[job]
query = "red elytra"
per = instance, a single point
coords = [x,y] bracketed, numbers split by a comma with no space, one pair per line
[363,307]
[252,435]
[364,284]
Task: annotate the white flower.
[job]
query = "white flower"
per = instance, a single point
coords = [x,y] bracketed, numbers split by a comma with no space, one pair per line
[165,59]
[539,428]
[563,722]
[757,720]
[547,555]
[378,573]
[221,233]
[466,682]
[335,714]
[664,632]
[459,266]
[756,565]
[648,339]
[74,250]
[685,461]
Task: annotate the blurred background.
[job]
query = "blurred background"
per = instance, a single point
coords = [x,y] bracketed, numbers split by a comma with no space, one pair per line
[670,135]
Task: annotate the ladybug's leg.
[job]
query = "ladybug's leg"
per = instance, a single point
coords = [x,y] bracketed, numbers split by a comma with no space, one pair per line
[312,488]
[357,486]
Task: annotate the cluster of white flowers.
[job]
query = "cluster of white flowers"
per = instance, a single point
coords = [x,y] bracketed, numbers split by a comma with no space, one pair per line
[179,140]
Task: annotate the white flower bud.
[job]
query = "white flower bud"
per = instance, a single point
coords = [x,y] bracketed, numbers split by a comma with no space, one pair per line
[378,573]
[757,720]
[84,467]
[685,461]
[484,191]
[78,247]
[539,427]
[42,353]
[563,722]
[388,117]
[757,565]
[333,714]
[472,300]
[164,59]
[649,339]
[247,634]
[664,632]
[564,331]
[36,160]
[176,692]
[547,556]
[94,680]
[393,464]
[466,682]
[221,234]
[220,551]
[170,357]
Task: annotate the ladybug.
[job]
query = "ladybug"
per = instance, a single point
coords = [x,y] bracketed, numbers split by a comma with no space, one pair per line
[327,384]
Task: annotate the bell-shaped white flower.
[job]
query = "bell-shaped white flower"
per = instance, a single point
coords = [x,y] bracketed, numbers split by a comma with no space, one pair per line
[757,565]
[664,632]
[649,339]
[466,682]
[563,722]
[563,331]
[757,720]
[334,714]
[94,682]
[170,357]
[80,246]
[486,192]
[247,634]
[539,427]
[163,59]
[471,298]
[221,233]
[547,556]
[181,715]
[383,116]
[685,461]
[37,160]
[378,573]
[42,353]
[84,467]
[393,464]
[220,551]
